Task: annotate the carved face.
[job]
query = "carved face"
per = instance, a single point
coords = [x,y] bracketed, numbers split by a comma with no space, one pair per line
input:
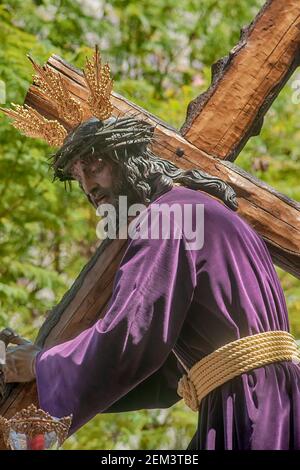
[98,180]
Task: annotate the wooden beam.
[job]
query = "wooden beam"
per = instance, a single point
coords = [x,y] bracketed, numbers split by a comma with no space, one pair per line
[80,307]
[246,82]
[273,215]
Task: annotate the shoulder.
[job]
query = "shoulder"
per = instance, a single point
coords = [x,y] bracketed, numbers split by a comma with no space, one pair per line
[199,210]
[185,202]
[182,196]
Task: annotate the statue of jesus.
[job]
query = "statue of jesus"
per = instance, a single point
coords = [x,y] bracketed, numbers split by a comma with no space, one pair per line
[207,323]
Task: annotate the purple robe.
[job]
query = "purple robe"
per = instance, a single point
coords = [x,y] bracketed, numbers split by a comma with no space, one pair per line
[194,301]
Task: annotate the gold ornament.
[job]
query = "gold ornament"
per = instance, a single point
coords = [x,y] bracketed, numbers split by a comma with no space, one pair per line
[99,83]
[33,422]
[52,87]
[32,124]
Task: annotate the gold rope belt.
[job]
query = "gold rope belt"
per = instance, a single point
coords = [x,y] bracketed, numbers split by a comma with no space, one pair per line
[234,359]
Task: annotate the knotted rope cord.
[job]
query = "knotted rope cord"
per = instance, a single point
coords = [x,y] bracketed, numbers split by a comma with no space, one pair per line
[234,359]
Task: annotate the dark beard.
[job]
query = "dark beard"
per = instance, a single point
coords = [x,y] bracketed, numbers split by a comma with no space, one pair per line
[121,187]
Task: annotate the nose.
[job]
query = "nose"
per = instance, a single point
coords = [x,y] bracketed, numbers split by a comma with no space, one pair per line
[88,183]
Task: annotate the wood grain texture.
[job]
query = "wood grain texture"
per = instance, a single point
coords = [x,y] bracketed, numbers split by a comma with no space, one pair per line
[273,215]
[80,308]
[246,82]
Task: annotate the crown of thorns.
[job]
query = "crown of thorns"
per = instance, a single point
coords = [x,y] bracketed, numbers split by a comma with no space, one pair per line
[79,137]
[96,138]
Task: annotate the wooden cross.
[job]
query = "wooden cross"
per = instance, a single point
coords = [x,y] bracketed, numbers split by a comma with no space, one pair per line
[219,123]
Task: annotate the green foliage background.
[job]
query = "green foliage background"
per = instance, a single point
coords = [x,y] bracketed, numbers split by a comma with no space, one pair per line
[160,52]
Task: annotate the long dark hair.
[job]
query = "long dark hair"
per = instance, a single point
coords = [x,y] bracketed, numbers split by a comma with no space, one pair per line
[125,143]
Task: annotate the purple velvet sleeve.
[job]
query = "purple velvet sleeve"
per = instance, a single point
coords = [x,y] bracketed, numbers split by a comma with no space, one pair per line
[152,292]
[159,390]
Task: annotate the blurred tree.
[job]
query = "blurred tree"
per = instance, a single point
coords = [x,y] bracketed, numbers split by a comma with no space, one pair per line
[160,52]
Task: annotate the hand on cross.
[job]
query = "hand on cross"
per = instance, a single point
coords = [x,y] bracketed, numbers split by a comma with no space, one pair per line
[20,359]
